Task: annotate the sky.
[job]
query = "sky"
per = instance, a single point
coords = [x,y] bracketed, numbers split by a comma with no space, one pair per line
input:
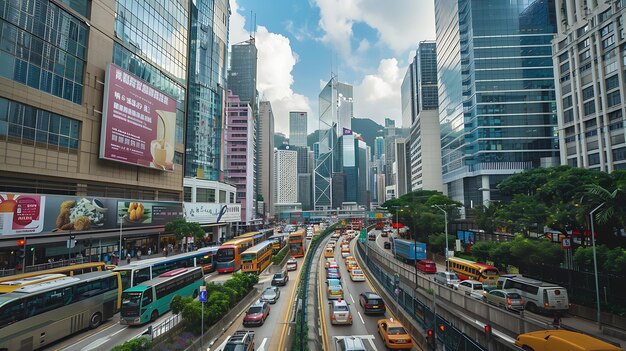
[366,43]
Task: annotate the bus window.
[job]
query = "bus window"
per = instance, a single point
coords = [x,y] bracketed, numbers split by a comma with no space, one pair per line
[141,275]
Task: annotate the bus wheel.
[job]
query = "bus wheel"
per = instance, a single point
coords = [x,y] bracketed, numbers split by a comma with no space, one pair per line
[95,320]
[154,316]
[195,294]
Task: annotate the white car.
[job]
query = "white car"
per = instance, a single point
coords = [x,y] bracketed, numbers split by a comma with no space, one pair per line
[292,264]
[471,288]
[340,312]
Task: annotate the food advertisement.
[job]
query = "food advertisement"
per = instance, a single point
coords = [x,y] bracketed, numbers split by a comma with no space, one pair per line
[138,122]
[142,213]
[21,214]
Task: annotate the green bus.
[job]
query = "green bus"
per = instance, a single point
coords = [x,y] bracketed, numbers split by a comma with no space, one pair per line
[145,302]
[36,315]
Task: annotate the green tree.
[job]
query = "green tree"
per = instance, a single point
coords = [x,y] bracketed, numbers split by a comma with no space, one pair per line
[482,250]
[523,213]
[179,302]
[181,228]
[138,344]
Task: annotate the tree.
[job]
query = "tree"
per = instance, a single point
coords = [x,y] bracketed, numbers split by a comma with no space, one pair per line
[523,213]
[138,344]
[181,228]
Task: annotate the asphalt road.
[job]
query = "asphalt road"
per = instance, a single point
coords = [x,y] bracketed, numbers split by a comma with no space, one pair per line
[363,326]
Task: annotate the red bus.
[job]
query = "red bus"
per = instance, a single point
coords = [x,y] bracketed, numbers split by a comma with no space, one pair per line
[296,243]
[228,257]
[426,266]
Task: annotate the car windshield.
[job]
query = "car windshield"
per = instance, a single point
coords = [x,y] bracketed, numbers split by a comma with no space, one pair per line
[514,296]
[356,271]
[278,275]
[230,347]
[269,292]
[255,310]
[396,331]
[374,301]
[478,286]
[341,308]
[225,255]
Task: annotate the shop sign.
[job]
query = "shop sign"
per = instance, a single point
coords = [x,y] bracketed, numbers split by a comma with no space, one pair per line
[207,212]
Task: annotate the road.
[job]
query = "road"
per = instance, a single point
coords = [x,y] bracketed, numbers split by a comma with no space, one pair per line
[363,326]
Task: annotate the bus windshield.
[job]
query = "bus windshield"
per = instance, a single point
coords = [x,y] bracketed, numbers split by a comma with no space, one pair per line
[130,303]
[490,272]
[225,255]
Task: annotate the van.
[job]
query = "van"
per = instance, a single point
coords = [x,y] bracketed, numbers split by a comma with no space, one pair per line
[538,296]
[561,340]
[448,279]
[426,266]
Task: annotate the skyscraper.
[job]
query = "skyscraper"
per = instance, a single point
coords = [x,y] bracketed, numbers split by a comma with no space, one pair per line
[286,175]
[496,92]
[243,71]
[298,129]
[590,91]
[265,159]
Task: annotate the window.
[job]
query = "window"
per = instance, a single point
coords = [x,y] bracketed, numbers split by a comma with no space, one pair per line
[588,93]
[585,55]
[606,29]
[608,41]
[594,159]
[613,98]
[604,16]
[568,115]
[589,107]
[187,194]
[584,44]
[567,102]
[612,82]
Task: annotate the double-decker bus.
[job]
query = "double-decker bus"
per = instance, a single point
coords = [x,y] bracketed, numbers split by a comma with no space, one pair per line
[147,301]
[70,270]
[466,269]
[228,257]
[257,237]
[296,243]
[140,271]
[257,258]
[36,315]
[12,285]
[278,242]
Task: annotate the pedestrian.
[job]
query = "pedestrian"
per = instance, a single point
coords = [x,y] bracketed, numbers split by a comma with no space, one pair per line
[556,323]
[139,254]
[128,258]
[164,251]
[149,251]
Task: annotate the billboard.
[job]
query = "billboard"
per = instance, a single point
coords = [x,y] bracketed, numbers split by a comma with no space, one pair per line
[138,122]
[206,212]
[64,214]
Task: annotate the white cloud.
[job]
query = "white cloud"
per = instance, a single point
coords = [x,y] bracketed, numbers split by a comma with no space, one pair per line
[377,96]
[274,71]
[364,45]
[237,25]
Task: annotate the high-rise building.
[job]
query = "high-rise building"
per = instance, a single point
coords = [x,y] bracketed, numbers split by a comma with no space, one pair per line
[285,173]
[298,129]
[208,49]
[420,107]
[379,148]
[589,90]
[242,74]
[240,153]
[400,172]
[496,92]
[266,156]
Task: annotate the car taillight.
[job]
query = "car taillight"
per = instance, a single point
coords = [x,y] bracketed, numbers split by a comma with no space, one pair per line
[332,317]
[546,304]
[367,305]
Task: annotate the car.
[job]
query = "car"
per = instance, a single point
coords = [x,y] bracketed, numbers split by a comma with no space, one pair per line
[372,303]
[345,254]
[340,312]
[331,243]
[256,314]
[387,245]
[561,340]
[350,259]
[356,275]
[448,279]
[335,290]
[349,343]
[329,252]
[335,235]
[351,265]
[241,340]
[333,265]
[333,273]
[393,334]
[385,233]
[270,294]
[292,264]
[426,266]
[280,278]
[329,261]
[309,236]
[508,299]
[471,288]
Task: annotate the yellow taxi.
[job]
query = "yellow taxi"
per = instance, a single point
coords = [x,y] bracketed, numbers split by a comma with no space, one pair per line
[393,334]
[345,251]
[351,265]
[561,340]
[356,274]
[329,252]
[350,259]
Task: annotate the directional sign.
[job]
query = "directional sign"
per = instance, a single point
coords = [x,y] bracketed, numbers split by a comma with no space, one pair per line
[363,235]
[567,243]
[203,296]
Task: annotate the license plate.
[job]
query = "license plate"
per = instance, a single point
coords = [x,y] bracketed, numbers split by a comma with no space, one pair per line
[375,306]
[400,341]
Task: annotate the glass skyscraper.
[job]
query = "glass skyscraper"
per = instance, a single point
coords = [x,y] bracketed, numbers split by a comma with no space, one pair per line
[496,92]
[243,71]
[298,129]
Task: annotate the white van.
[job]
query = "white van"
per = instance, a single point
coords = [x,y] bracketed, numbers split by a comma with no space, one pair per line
[537,295]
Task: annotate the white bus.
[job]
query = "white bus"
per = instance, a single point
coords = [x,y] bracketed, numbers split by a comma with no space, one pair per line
[538,296]
[36,315]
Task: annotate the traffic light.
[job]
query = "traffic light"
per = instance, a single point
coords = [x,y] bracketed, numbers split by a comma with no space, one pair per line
[487,329]
[442,328]
[430,338]
[21,242]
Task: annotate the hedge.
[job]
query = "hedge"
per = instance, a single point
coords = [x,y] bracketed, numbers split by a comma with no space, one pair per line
[278,258]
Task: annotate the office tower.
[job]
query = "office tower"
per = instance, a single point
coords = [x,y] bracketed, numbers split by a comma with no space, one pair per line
[266,156]
[298,129]
[208,49]
[496,92]
[243,71]
[335,109]
[285,173]
[420,107]
[400,171]
[590,103]
[240,152]
[379,148]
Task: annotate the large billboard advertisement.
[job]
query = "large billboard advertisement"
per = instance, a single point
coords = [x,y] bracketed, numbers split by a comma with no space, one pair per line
[138,122]
[206,212]
[22,214]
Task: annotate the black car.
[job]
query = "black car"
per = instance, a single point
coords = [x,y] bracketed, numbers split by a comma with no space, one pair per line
[372,303]
[387,245]
[280,278]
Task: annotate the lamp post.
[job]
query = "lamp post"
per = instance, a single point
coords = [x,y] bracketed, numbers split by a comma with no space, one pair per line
[445,216]
[595,262]
[119,258]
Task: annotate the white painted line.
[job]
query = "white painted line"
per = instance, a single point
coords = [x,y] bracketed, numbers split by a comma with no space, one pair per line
[117,332]
[362,321]
[352,298]
[262,346]
[288,331]
[95,344]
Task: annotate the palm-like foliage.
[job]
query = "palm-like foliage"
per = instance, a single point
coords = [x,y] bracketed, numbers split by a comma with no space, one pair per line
[613,210]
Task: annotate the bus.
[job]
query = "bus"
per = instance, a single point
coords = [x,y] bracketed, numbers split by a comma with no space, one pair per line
[296,243]
[36,315]
[12,285]
[228,257]
[147,301]
[70,270]
[257,258]
[140,271]
[466,269]
[257,237]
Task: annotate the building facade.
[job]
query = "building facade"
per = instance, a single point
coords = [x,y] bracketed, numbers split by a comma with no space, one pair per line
[266,156]
[242,74]
[400,171]
[496,92]
[298,129]
[588,61]
[285,173]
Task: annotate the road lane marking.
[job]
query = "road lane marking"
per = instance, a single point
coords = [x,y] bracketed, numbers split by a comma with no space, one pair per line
[262,346]
[362,321]
[117,332]
[352,298]
[288,314]
[320,301]
[95,344]
[95,332]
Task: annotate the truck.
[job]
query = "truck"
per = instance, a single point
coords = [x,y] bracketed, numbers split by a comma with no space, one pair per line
[408,251]
[241,340]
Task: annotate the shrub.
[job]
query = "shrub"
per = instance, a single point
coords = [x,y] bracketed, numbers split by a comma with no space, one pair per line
[139,344]
[278,258]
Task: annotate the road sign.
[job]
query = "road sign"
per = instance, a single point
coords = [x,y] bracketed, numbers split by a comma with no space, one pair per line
[363,235]
[567,243]
[202,296]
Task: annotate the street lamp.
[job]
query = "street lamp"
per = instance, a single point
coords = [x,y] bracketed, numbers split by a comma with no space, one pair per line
[595,261]
[445,216]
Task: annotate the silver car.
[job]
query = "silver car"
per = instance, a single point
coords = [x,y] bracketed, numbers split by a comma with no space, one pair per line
[507,299]
[448,279]
[340,312]
[270,294]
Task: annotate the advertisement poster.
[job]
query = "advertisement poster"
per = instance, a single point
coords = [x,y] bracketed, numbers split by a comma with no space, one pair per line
[21,214]
[205,213]
[142,213]
[138,122]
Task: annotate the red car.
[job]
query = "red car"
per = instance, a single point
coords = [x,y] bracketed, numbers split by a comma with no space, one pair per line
[426,266]
[256,314]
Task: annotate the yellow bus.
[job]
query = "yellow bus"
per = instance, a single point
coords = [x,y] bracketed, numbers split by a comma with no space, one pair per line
[12,285]
[296,243]
[229,254]
[70,271]
[466,269]
[257,258]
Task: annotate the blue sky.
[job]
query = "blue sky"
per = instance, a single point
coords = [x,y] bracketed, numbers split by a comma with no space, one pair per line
[368,43]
